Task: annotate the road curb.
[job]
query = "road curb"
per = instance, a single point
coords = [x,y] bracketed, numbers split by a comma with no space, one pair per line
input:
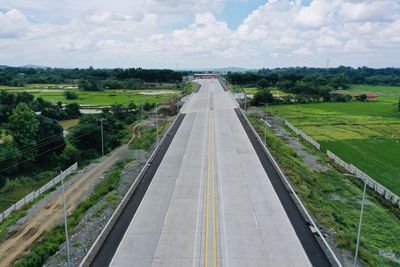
[105,233]
[317,248]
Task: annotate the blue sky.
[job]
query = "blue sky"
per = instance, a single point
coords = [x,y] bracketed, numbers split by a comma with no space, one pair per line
[200,33]
[236,11]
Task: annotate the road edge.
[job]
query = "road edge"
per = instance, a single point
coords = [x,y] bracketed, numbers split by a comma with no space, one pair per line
[316,247]
[144,174]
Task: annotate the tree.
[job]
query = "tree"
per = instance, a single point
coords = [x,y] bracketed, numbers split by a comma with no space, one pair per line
[23,126]
[10,155]
[50,138]
[73,111]
[263,83]
[398,106]
[362,97]
[263,97]
[89,85]
[70,95]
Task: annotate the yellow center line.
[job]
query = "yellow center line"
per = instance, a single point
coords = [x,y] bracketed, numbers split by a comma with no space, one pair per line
[207,194]
[214,197]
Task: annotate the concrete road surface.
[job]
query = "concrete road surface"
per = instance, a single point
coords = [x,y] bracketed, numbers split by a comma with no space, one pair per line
[210,202]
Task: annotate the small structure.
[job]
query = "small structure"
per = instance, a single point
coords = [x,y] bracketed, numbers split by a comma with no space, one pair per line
[371,96]
[206,75]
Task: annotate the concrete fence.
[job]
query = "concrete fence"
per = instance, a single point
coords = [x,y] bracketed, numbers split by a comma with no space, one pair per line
[377,187]
[303,135]
[32,196]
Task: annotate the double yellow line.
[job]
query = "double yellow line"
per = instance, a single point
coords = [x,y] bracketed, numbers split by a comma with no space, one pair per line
[211,175]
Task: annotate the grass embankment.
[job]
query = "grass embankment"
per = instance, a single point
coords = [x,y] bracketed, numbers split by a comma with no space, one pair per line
[14,190]
[365,134]
[148,136]
[51,241]
[335,203]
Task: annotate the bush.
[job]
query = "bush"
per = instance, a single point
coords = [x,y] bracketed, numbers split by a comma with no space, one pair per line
[70,95]
[262,97]
[362,97]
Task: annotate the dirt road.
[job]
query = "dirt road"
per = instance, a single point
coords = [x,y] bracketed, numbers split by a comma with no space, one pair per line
[21,240]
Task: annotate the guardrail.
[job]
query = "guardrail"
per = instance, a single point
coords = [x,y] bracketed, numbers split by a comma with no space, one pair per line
[377,187]
[303,135]
[32,196]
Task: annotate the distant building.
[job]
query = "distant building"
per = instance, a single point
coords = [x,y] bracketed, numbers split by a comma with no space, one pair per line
[206,75]
[371,96]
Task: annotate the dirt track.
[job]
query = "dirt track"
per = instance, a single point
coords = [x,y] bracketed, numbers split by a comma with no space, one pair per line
[14,246]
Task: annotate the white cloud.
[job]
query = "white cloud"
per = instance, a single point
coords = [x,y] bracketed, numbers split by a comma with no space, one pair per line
[161,33]
[13,23]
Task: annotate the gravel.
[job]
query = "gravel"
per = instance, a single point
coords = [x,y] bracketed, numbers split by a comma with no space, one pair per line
[84,234]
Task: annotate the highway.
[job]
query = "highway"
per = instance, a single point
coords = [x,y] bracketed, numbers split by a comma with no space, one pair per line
[211,202]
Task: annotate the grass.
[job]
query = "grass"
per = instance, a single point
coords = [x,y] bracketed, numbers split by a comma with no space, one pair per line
[148,136]
[51,241]
[10,194]
[365,134]
[335,203]
[69,123]
[253,90]
[55,93]
[110,97]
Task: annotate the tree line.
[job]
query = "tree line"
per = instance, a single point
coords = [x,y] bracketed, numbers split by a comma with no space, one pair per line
[127,78]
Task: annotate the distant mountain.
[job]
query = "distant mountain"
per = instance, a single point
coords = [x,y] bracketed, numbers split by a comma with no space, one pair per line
[31,66]
[223,70]
[3,67]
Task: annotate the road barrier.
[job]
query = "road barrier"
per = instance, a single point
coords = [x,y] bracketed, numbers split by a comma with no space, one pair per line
[377,187]
[32,196]
[303,135]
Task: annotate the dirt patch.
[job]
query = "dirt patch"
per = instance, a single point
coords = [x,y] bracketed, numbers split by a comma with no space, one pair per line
[91,225]
[45,218]
[311,161]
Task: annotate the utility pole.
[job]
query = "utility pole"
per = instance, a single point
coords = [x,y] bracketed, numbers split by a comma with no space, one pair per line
[361,215]
[142,112]
[157,123]
[65,221]
[360,224]
[102,137]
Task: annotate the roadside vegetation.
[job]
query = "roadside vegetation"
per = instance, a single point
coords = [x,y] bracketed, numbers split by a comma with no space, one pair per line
[364,134]
[335,203]
[52,240]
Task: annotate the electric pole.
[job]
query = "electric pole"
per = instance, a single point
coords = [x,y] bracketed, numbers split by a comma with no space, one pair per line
[65,221]
[157,123]
[102,136]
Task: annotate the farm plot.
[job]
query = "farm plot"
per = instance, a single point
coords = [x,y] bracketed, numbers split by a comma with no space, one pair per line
[55,93]
[364,134]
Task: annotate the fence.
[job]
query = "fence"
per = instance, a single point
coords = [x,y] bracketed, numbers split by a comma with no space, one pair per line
[377,187]
[32,196]
[303,135]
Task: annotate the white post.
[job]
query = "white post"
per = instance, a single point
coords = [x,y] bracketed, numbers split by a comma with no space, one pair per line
[102,138]
[65,222]
[157,123]
[360,223]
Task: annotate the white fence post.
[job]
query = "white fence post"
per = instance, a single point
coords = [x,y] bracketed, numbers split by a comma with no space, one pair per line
[377,187]
[33,195]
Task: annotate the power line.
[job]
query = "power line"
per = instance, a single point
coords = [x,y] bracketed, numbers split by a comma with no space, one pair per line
[42,140]
[33,148]
[44,152]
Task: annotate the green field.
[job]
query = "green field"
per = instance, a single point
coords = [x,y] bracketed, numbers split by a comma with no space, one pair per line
[335,204]
[55,93]
[366,134]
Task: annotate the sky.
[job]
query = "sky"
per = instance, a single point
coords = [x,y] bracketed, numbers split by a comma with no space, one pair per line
[184,34]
